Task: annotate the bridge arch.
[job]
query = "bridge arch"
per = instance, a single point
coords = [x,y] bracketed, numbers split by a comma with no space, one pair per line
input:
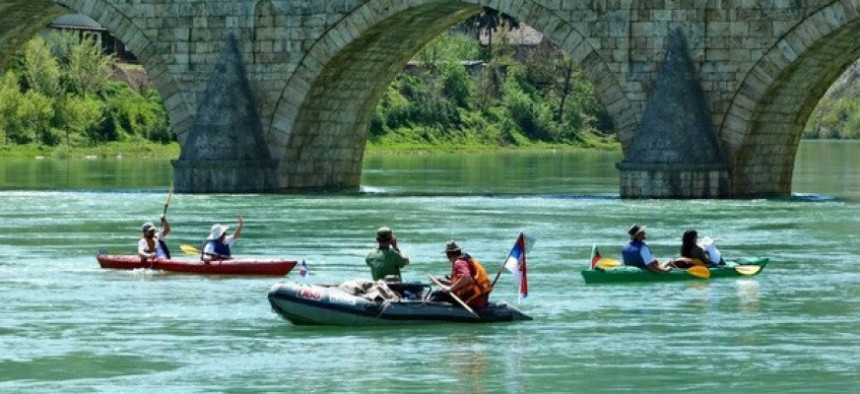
[764,124]
[319,127]
[132,35]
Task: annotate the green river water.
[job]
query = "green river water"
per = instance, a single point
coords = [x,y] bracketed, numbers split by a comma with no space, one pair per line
[68,326]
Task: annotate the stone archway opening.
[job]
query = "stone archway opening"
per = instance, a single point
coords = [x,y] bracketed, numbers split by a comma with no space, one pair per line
[75,84]
[490,81]
[28,17]
[765,156]
[322,120]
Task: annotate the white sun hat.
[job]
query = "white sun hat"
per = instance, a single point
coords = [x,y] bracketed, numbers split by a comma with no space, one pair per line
[217,231]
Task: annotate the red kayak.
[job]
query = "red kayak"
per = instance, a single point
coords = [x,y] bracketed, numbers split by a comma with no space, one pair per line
[224,267]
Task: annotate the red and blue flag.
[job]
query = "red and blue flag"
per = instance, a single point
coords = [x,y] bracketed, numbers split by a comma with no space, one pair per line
[516,264]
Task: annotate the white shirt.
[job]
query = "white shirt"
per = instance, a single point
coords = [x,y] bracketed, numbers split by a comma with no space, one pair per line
[143,248]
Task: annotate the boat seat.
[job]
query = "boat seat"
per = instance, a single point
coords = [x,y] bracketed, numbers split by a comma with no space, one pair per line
[410,290]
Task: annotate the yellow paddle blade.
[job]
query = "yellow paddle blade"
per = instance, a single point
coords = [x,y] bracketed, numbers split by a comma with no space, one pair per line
[608,263]
[190,250]
[748,269]
[699,271]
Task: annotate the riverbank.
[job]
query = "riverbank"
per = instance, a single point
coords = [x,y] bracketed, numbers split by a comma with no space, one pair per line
[455,147]
[148,149]
[136,149]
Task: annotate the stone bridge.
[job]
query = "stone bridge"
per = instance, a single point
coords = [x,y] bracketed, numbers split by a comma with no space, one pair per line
[315,70]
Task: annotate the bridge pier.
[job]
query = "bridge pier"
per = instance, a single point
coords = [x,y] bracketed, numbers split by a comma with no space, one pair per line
[225,152]
[675,153]
[640,180]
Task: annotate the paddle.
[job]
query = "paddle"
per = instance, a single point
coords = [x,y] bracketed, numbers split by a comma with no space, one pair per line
[164,223]
[190,250]
[699,271]
[748,269]
[454,296]
[167,202]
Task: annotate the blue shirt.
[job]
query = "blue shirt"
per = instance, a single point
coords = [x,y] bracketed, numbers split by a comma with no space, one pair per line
[636,253]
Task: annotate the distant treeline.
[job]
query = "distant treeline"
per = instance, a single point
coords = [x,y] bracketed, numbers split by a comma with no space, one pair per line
[58,91]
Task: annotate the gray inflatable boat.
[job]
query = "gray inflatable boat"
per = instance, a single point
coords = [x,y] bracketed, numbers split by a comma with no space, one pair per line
[304,304]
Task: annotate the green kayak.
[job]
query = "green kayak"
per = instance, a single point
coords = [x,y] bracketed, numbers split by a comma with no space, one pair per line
[732,269]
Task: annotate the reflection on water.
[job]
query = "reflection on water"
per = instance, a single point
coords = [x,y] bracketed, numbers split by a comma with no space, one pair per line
[747,291]
[824,170]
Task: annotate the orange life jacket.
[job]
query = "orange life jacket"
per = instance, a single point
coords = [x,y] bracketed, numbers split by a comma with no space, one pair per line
[480,284]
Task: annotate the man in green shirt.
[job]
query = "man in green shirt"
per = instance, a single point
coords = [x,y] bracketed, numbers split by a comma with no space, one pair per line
[386,259]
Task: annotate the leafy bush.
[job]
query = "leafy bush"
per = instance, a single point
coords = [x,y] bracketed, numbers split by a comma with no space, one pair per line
[36,114]
[59,91]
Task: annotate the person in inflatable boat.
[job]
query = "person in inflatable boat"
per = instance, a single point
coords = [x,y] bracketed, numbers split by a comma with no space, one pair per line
[469,280]
[386,260]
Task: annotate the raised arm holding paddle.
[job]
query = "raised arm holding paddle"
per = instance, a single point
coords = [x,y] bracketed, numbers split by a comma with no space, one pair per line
[151,245]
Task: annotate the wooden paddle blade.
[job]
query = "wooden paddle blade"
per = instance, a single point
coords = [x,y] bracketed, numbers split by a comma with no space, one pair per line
[167,202]
[454,296]
[748,269]
[608,263]
[190,250]
[699,271]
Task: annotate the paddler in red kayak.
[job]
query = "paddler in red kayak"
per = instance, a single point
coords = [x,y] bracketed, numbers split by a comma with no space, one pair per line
[152,245]
[217,245]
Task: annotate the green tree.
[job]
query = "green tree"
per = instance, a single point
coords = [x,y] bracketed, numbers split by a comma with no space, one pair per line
[80,115]
[36,113]
[488,22]
[88,69]
[41,70]
[10,99]
[129,114]
[60,44]
[457,84]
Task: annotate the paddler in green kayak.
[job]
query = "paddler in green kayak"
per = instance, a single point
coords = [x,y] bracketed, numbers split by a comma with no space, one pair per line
[638,254]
